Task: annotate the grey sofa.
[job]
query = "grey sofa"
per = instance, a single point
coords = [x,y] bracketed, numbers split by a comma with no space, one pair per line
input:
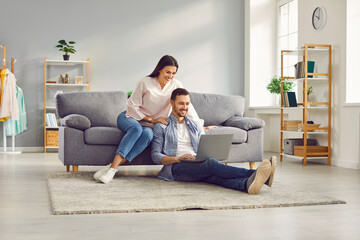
[88,134]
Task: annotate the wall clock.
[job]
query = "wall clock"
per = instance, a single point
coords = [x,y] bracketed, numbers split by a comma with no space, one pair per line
[319,18]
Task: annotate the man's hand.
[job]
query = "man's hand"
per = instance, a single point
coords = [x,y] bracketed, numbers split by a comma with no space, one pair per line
[160,120]
[169,160]
[187,156]
[210,127]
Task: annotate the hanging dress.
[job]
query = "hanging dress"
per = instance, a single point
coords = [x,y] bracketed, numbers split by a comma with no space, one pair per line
[8,103]
[15,127]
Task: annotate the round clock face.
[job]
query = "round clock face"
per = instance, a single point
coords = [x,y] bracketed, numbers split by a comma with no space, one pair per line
[319,18]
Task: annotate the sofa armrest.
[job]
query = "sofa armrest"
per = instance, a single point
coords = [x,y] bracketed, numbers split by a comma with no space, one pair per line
[244,123]
[77,121]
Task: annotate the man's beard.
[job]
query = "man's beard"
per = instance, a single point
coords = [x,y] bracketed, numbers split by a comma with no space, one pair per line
[181,114]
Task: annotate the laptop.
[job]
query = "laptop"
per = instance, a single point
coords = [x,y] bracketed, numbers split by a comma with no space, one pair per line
[212,145]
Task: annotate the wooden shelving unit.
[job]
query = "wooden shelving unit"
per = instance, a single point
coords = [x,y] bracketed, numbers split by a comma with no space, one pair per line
[53,132]
[306,106]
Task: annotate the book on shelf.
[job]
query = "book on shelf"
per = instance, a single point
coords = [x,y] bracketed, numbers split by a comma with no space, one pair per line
[289,99]
[300,69]
[47,120]
[51,120]
[54,120]
[292,99]
[283,99]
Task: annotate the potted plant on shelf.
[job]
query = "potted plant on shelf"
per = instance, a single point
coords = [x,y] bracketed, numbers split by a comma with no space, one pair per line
[275,86]
[66,48]
[308,92]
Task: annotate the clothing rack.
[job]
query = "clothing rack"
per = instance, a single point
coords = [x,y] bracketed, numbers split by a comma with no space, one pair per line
[12,151]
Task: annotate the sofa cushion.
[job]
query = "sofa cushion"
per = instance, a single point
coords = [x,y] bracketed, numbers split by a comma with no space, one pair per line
[245,123]
[103,136]
[240,136]
[101,108]
[215,108]
[76,121]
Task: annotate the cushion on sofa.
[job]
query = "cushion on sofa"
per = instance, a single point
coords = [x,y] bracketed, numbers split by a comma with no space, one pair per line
[240,136]
[101,108]
[245,123]
[103,136]
[76,121]
[215,109]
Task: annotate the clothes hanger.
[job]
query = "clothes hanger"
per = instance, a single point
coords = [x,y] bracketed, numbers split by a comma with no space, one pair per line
[2,67]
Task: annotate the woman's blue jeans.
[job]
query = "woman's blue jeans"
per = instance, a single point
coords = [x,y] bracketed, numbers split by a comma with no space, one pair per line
[212,171]
[136,137]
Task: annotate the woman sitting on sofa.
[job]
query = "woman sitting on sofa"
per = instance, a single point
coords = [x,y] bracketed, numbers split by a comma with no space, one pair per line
[148,104]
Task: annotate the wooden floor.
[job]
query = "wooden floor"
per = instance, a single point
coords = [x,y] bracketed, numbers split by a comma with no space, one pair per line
[25,211]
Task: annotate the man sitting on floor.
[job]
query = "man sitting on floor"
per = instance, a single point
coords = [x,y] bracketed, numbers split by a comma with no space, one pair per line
[180,139]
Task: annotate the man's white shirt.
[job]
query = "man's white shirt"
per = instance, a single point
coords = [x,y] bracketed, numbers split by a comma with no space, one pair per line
[184,141]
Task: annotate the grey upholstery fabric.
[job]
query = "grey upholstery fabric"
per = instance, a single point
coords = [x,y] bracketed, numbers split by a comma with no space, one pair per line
[76,121]
[97,144]
[240,135]
[77,152]
[103,136]
[250,151]
[101,108]
[215,109]
[245,123]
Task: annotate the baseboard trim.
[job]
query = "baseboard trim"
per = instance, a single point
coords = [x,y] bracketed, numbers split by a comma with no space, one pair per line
[344,164]
[25,149]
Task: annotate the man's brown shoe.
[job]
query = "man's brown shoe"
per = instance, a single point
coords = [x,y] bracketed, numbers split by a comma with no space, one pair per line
[259,177]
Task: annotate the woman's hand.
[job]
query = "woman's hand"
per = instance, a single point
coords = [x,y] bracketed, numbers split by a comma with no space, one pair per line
[160,120]
[210,127]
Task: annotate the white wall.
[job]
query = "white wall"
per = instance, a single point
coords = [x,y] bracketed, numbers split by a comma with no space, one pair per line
[125,40]
[345,120]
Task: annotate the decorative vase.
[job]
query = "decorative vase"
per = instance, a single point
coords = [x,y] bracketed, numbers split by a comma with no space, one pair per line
[61,79]
[67,79]
[66,57]
[277,100]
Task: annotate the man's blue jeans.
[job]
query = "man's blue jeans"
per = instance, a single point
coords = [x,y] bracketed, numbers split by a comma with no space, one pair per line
[214,172]
[136,137]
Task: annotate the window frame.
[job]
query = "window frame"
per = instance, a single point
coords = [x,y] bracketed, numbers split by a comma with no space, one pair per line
[281,3]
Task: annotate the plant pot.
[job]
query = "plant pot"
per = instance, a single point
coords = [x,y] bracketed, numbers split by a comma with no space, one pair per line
[66,57]
[277,100]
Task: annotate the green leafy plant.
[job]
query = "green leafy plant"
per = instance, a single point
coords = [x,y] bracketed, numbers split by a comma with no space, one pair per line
[309,90]
[275,86]
[66,47]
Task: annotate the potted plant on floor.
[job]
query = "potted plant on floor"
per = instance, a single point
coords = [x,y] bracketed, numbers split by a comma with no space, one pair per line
[275,86]
[66,48]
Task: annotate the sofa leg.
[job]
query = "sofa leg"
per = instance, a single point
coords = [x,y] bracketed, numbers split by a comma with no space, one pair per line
[252,165]
[67,168]
[75,168]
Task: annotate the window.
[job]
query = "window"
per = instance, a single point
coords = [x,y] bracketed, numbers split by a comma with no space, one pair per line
[273,25]
[287,37]
[352,51]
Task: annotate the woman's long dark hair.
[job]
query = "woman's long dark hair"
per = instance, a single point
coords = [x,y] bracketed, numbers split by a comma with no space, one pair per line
[164,61]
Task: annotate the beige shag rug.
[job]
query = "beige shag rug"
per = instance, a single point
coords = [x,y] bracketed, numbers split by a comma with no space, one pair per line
[79,193]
